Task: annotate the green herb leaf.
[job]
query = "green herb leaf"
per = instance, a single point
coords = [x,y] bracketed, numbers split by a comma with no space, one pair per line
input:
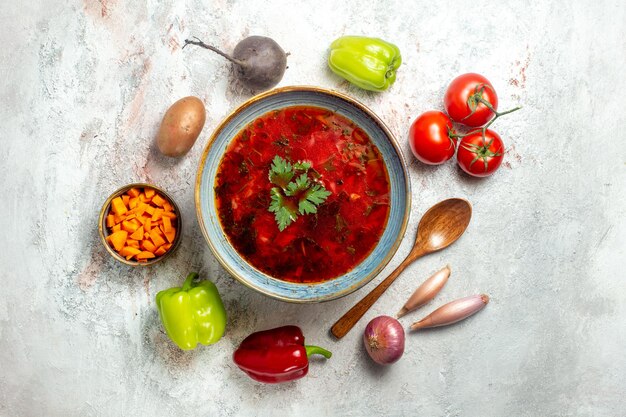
[291,198]
[312,198]
[301,184]
[302,166]
[282,214]
[281,172]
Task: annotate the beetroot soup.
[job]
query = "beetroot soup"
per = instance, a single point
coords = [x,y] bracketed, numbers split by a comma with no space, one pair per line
[302,194]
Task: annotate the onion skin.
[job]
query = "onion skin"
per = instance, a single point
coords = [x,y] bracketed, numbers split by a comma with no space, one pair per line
[426,292]
[453,312]
[384,340]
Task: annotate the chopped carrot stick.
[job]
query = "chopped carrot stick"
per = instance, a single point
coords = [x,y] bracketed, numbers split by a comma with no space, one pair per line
[148,245]
[158,200]
[116,228]
[144,255]
[160,251]
[157,214]
[138,234]
[170,235]
[157,239]
[118,239]
[129,226]
[167,206]
[129,251]
[132,242]
[149,192]
[126,199]
[110,220]
[133,192]
[117,206]
[167,224]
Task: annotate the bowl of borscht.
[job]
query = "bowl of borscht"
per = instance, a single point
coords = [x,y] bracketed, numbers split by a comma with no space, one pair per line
[302,194]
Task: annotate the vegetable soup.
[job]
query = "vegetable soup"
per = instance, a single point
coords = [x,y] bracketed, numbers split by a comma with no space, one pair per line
[302,194]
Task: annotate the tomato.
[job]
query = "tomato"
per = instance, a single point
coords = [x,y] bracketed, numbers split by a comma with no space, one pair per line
[478,157]
[463,100]
[430,138]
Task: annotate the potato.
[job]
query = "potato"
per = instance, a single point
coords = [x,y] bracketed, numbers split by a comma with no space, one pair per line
[181,126]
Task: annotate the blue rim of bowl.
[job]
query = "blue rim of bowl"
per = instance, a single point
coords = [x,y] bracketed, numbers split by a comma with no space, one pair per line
[326,297]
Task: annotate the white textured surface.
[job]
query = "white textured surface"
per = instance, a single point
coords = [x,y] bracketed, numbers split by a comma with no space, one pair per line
[83,88]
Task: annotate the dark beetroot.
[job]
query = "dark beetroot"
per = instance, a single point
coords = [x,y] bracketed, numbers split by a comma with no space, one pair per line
[260,62]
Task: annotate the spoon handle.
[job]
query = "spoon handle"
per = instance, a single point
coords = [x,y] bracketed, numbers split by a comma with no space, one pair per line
[348,320]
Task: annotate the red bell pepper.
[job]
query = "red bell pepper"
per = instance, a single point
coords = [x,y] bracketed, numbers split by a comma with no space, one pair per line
[276,355]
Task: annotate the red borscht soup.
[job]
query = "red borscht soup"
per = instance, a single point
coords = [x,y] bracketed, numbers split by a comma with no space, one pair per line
[320,150]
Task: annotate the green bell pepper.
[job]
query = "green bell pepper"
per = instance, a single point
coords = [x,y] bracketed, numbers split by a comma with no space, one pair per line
[192,314]
[369,63]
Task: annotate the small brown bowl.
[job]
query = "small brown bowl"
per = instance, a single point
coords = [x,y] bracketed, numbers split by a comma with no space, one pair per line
[103,230]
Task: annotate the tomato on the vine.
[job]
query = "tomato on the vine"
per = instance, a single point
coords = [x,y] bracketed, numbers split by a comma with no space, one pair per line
[430,138]
[468,100]
[478,156]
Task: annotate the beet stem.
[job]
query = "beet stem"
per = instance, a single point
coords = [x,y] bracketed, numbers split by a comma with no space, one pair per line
[198,42]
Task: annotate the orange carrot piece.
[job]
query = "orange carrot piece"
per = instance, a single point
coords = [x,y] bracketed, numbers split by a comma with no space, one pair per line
[132,242]
[130,227]
[129,251]
[170,235]
[144,255]
[140,209]
[157,214]
[118,207]
[147,225]
[118,218]
[126,199]
[167,225]
[149,192]
[158,200]
[133,202]
[116,228]
[136,222]
[169,214]
[148,245]
[133,192]
[157,239]
[150,210]
[138,234]
[160,251]
[167,206]
[119,239]
[167,246]
[110,220]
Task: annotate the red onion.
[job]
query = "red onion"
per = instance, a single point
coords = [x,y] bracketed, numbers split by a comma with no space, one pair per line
[384,340]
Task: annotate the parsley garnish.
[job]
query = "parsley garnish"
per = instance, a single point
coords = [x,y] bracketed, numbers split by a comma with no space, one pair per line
[292,198]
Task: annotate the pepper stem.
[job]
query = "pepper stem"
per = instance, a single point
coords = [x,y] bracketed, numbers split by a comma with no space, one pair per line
[189,281]
[316,350]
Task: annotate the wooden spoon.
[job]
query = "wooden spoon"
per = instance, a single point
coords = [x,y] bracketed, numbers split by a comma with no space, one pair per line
[440,226]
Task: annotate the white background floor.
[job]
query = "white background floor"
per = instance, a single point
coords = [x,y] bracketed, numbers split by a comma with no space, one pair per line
[84,86]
